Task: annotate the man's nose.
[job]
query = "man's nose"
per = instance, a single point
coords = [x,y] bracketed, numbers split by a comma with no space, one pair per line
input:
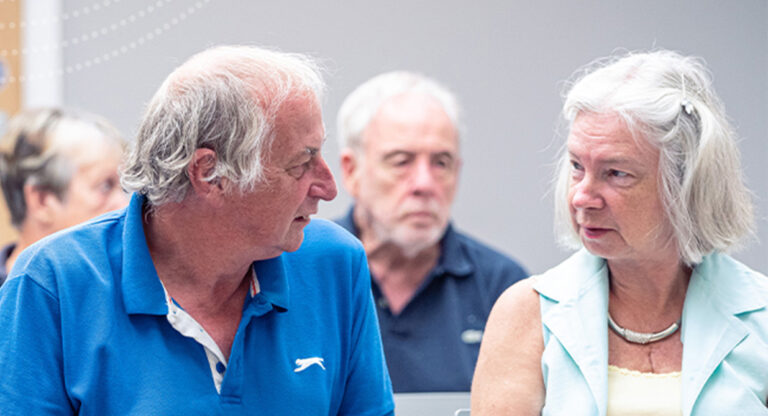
[423,178]
[324,186]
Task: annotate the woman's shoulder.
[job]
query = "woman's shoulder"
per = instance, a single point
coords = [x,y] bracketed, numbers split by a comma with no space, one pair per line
[508,372]
[730,281]
[573,275]
[519,299]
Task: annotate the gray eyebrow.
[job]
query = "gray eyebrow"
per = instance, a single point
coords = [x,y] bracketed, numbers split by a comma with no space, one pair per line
[312,151]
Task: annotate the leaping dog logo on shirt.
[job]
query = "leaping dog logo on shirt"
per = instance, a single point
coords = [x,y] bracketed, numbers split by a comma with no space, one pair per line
[304,363]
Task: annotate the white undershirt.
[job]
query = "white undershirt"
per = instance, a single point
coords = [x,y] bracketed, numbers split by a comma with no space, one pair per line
[186,325]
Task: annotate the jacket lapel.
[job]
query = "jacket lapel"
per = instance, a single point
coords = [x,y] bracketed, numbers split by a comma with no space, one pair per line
[711,329]
[579,319]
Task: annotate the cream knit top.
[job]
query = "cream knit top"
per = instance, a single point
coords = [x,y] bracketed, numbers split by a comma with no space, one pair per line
[632,393]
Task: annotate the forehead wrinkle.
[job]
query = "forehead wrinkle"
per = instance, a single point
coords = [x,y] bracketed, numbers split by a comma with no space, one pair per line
[593,132]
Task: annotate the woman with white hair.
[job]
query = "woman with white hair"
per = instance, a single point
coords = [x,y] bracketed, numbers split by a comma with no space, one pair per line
[650,316]
[57,168]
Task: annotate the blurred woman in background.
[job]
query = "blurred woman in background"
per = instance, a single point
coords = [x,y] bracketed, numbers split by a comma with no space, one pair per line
[57,168]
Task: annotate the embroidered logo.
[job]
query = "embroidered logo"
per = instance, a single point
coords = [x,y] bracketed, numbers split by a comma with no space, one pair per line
[304,363]
[472,336]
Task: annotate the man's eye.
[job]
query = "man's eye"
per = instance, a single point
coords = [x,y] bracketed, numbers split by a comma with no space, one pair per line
[397,163]
[299,170]
[444,162]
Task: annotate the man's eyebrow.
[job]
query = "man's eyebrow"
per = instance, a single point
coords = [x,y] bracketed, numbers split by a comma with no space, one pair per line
[308,151]
[444,153]
[396,152]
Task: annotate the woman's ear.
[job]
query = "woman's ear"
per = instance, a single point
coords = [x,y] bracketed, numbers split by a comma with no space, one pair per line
[42,206]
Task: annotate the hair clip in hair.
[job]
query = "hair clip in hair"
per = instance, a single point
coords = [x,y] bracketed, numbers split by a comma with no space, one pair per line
[687,106]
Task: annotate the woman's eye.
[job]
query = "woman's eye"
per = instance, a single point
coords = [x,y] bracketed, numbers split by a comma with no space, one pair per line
[577,170]
[618,173]
[106,186]
[575,165]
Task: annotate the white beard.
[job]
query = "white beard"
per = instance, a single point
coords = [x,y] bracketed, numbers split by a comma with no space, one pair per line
[403,238]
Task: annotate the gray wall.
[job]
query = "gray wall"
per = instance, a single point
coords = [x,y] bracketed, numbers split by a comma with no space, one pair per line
[506,61]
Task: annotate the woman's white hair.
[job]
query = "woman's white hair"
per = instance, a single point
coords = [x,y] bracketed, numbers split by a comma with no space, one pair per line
[362,104]
[226,99]
[668,100]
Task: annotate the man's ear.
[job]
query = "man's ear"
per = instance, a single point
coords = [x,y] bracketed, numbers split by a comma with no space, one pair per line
[42,206]
[350,171]
[199,170]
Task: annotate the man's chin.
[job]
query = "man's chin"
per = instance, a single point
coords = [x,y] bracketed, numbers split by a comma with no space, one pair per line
[414,243]
[293,243]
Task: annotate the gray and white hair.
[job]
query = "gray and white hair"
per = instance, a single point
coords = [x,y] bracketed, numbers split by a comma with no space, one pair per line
[668,100]
[36,150]
[362,104]
[226,99]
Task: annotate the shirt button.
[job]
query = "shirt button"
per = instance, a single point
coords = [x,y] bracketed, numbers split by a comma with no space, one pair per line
[220,367]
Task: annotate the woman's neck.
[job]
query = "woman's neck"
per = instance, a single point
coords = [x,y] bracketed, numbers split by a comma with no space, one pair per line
[648,294]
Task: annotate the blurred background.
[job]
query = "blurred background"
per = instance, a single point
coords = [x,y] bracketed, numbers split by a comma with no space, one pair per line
[506,61]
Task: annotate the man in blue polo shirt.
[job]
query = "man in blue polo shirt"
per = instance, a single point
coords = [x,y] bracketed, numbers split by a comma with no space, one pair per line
[212,293]
[434,286]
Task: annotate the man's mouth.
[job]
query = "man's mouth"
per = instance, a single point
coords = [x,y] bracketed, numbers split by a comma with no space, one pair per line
[420,214]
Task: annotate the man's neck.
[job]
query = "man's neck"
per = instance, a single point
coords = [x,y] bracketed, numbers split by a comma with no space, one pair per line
[206,276]
[191,261]
[399,276]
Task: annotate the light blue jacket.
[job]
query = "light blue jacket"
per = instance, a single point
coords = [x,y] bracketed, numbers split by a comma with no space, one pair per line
[724,334]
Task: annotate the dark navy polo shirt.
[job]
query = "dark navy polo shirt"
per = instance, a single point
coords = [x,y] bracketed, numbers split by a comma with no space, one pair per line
[433,343]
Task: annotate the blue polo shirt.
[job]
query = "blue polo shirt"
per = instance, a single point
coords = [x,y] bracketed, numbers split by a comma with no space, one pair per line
[433,343]
[84,331]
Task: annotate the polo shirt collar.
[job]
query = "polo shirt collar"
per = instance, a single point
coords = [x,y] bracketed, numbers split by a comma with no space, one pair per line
[142,291]
[453,256]
[273,282]
[453,260]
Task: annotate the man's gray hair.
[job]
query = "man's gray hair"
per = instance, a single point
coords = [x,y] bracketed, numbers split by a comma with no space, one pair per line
[668,100]
[226,99]
[362,104]
[36,150]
